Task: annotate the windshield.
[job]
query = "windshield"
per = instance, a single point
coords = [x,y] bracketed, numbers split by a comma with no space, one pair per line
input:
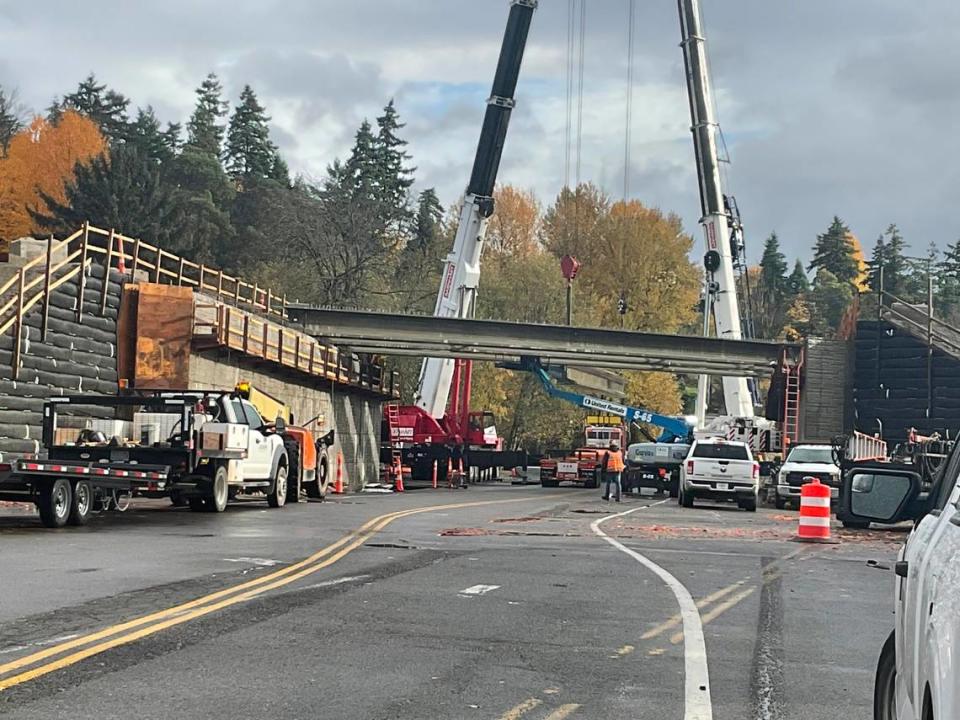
[802,454]
[721,451]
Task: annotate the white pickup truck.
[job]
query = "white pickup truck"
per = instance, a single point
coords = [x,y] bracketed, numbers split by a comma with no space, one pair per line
[719,469]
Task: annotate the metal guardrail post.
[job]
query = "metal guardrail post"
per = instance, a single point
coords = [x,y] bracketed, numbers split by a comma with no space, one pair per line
[82,283]
[46,290]
[106,274]
[18,329]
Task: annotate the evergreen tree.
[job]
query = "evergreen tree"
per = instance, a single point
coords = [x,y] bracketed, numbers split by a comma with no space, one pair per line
[359,175]
[249,153]
[11,118]
[773,266]
[393,177]
[202,197]
[122,191]
[204,129]
[107,108]
[834,252]
[948,281]
[895,266]
[279,172]
[797,283]
[145,133]
[830,299]
[878,260]
[429,217]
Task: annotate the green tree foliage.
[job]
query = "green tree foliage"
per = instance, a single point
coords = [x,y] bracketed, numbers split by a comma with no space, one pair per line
[393,177]
[122,191]
[205,127]
[12,118]
[835,252]
[770,290]
[797,283]
[249,153]
[152,142]
[948,283]
[106,107]
[828,301]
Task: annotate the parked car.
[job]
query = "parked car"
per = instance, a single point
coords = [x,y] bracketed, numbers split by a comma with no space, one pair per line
[803,461]
[719,469]
[918,674]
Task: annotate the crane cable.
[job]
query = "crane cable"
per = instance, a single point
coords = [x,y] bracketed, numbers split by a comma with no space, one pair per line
[568,135]
[583,29]
[629,119]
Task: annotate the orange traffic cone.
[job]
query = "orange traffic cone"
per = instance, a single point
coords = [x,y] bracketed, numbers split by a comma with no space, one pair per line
[449,472]
[338,482]
[434,474]
[398,486]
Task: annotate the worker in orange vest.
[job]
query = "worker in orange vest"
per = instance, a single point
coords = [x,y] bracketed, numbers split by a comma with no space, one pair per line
[612,468]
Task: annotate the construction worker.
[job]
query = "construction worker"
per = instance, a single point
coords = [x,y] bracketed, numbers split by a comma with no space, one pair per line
[612,469]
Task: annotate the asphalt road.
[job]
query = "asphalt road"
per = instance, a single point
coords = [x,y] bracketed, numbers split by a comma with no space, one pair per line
[509,606]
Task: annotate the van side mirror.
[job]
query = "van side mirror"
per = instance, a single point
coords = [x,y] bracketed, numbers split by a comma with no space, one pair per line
[880,495]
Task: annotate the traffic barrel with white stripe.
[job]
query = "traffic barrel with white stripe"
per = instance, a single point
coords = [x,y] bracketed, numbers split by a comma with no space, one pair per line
[814,511]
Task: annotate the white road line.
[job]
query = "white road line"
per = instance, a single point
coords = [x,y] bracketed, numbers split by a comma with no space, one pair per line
[697,703]
[261,562]
[337,581]
[478,590]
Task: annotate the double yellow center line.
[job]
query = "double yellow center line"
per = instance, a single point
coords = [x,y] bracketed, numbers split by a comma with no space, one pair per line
[80,648]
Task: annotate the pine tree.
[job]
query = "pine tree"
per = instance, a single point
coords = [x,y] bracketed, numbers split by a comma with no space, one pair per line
[770,292]
[830,299]
[429,217]
[393,178]
[107,108]
[878,260]
[279,172]
[11,118]
[122,191]
[773,268]
[948,281]
[145,133]
[249,153]
[204,129]
[797,283]
[834,252]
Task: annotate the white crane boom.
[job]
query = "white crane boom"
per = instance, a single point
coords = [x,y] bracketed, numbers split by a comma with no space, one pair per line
[720,293]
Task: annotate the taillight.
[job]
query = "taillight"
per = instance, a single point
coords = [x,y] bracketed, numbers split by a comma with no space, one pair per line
[756,470]
[689,467]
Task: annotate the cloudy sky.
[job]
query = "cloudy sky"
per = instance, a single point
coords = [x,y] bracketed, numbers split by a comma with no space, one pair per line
[828,106]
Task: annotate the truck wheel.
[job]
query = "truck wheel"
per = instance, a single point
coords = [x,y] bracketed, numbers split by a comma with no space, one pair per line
[748,505]
[277,496]
[674,491]
[855,524]
[217,502]
[177,499]
[686,499]
[884,688]
[592,483]
[779,502]
[550,483]
[81,504]
[54,503]
[318,488]
[197,504]
[293,475]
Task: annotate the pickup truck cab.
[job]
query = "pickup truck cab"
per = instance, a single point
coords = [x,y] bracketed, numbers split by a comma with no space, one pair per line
[918,675]
[718,469]
[803,461]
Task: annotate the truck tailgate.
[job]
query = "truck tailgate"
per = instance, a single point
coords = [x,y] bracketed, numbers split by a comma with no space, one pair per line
[740,471]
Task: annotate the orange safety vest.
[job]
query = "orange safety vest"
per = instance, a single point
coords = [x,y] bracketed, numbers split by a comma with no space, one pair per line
[614,461]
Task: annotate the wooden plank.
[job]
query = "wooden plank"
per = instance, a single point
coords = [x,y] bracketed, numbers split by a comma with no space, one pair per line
[18,328]
[165,320]
[84,244]
[46,291]
[104,291]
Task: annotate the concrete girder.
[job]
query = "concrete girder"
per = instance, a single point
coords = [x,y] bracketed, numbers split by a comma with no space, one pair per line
[397,334]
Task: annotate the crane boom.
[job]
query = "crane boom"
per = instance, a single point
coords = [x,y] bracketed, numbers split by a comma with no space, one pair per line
[461,272]
[675,428]
[720,288]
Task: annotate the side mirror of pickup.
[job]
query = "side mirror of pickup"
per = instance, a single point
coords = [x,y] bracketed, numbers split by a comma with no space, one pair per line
[280,425]
[877,494]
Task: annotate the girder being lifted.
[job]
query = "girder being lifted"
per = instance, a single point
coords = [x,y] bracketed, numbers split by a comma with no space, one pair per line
[418,335]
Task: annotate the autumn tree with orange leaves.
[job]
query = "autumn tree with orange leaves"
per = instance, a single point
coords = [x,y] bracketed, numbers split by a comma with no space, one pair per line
[41,159]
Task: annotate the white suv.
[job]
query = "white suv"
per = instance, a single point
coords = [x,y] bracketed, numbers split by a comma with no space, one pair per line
[917,678]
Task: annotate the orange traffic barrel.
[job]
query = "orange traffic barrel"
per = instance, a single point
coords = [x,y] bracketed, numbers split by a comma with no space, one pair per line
[814,512]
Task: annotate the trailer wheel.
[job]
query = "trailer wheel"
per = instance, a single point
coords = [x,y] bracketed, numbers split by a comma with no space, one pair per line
[217,501]
[54,503]
[593,482]
[277,496]
[81,504]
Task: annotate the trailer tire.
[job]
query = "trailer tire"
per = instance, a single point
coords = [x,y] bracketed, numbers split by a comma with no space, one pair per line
[219,492]
[81,503]
[54,503]
[550,483]
[593,482]
[277,495]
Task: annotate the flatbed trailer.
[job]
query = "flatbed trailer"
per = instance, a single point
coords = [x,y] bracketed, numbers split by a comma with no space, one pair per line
[181,451]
